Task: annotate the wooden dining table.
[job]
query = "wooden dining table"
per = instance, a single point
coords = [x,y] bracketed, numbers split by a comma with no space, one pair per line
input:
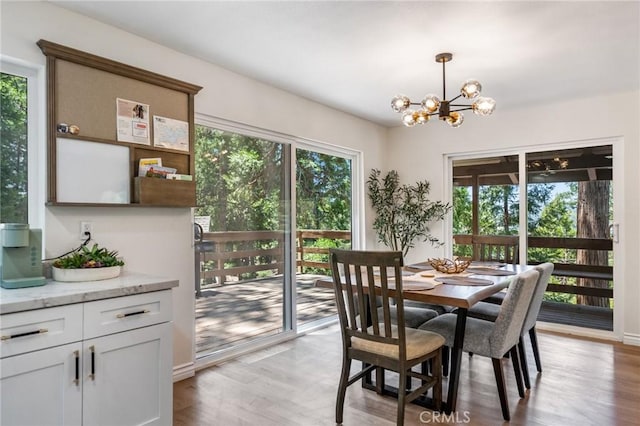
[463,297]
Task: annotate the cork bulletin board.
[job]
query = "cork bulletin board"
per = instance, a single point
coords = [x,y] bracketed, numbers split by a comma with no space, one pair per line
[87,96]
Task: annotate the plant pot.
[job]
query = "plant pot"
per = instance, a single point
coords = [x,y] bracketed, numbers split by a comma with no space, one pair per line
[85,274]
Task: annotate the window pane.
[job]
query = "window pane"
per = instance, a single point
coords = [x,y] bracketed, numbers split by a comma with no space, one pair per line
[323,202]
[241,259]
[13,153]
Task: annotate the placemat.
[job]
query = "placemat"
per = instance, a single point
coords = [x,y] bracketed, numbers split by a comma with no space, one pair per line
[416,285]
[489,271]
[463,281]
[420,267]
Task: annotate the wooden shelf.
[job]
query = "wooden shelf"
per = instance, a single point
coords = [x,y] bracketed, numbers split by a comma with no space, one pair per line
[158,191]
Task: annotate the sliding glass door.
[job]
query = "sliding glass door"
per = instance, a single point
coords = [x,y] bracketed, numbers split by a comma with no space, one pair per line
[243,226]
[254,272]
[567,220]
[323,221]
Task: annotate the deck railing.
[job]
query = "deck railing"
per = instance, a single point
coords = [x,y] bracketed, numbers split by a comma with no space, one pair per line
[306,239]
[227,256]
[593,272]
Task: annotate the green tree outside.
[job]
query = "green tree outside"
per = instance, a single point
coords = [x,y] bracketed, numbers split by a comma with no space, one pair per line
[13,153]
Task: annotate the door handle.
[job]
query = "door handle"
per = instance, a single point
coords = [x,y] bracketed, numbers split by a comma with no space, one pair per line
[92,349]
[76,355]
[614,231]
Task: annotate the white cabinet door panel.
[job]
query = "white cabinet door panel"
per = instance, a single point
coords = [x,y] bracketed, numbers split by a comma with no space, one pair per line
[131,382]
[39,388]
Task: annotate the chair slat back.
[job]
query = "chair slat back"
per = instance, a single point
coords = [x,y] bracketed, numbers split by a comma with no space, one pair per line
[508,325]
[495,248]
[362,282]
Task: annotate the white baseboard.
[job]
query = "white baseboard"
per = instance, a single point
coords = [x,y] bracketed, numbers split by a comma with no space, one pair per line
[631,339]
[184,371]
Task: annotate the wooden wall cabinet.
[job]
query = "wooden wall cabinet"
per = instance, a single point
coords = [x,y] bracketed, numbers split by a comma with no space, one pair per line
[82,90]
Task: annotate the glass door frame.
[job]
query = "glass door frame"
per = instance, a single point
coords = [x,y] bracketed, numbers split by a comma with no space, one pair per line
[357,201]
[618,215]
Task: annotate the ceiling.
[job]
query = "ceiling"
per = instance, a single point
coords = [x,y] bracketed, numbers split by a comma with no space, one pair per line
[566,165]
[356,55]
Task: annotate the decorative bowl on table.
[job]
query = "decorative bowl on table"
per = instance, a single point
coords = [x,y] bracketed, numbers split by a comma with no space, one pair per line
[449,266]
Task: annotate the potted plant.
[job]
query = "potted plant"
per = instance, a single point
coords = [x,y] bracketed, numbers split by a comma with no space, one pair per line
[403,212]
[87,264]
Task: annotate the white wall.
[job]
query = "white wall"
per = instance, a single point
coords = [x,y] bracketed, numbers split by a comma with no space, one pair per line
[158,240]
[419,152]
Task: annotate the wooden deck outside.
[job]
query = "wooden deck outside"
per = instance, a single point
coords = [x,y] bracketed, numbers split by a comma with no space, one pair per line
[237,312]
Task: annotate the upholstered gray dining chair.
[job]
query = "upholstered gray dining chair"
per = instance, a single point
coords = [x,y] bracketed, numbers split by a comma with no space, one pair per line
[490,311]
[379,343]
[494,339]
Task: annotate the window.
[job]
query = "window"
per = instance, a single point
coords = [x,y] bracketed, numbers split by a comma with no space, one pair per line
[22,145]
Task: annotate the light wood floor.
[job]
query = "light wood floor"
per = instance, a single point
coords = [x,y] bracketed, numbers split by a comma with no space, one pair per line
[584,382]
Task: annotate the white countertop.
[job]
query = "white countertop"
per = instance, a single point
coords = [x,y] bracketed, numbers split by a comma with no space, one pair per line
[55,293]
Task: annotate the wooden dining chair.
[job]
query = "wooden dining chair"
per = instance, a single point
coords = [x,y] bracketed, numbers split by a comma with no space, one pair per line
[495,248]
[378,342]
[494,339]
[490,311]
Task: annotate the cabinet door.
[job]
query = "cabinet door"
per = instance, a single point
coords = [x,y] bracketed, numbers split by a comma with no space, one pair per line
[40,388]
[128,378]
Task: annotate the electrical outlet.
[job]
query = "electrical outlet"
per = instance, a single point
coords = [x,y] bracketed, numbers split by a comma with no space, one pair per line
[84,228]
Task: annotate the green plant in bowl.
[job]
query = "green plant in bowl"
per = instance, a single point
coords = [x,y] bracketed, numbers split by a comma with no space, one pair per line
[94,257]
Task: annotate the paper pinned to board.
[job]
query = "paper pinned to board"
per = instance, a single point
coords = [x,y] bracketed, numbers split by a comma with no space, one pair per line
[132,120]
[170,133]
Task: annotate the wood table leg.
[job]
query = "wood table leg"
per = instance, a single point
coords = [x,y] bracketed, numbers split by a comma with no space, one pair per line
[456,360]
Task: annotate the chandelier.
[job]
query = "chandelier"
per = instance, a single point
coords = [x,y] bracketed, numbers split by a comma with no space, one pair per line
[445,110]
[548,167]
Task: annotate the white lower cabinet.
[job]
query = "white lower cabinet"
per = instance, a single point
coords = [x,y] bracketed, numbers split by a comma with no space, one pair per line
[127,381]
[38,388]
[119,373]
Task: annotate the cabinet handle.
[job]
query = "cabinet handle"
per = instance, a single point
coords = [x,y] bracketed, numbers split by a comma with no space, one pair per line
[92,376]
[28,333]
[145,311]
[76,354]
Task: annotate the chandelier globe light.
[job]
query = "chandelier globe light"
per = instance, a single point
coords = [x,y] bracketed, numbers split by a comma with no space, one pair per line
[447,111]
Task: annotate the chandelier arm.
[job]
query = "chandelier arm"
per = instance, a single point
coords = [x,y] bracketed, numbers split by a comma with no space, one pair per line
[455,98]
[460,105]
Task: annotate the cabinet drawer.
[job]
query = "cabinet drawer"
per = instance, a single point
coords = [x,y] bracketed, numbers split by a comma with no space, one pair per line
[119,314]
[33,330]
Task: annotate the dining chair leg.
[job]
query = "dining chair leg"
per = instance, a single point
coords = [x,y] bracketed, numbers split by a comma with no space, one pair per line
[342,388]
[516,370]
[379,380]
[402,378]
[437,387]
[523,363]
[445,360]
[504,403]
[534,345]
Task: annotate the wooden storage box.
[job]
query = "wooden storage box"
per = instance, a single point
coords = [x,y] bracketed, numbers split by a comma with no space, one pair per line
[164,192]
